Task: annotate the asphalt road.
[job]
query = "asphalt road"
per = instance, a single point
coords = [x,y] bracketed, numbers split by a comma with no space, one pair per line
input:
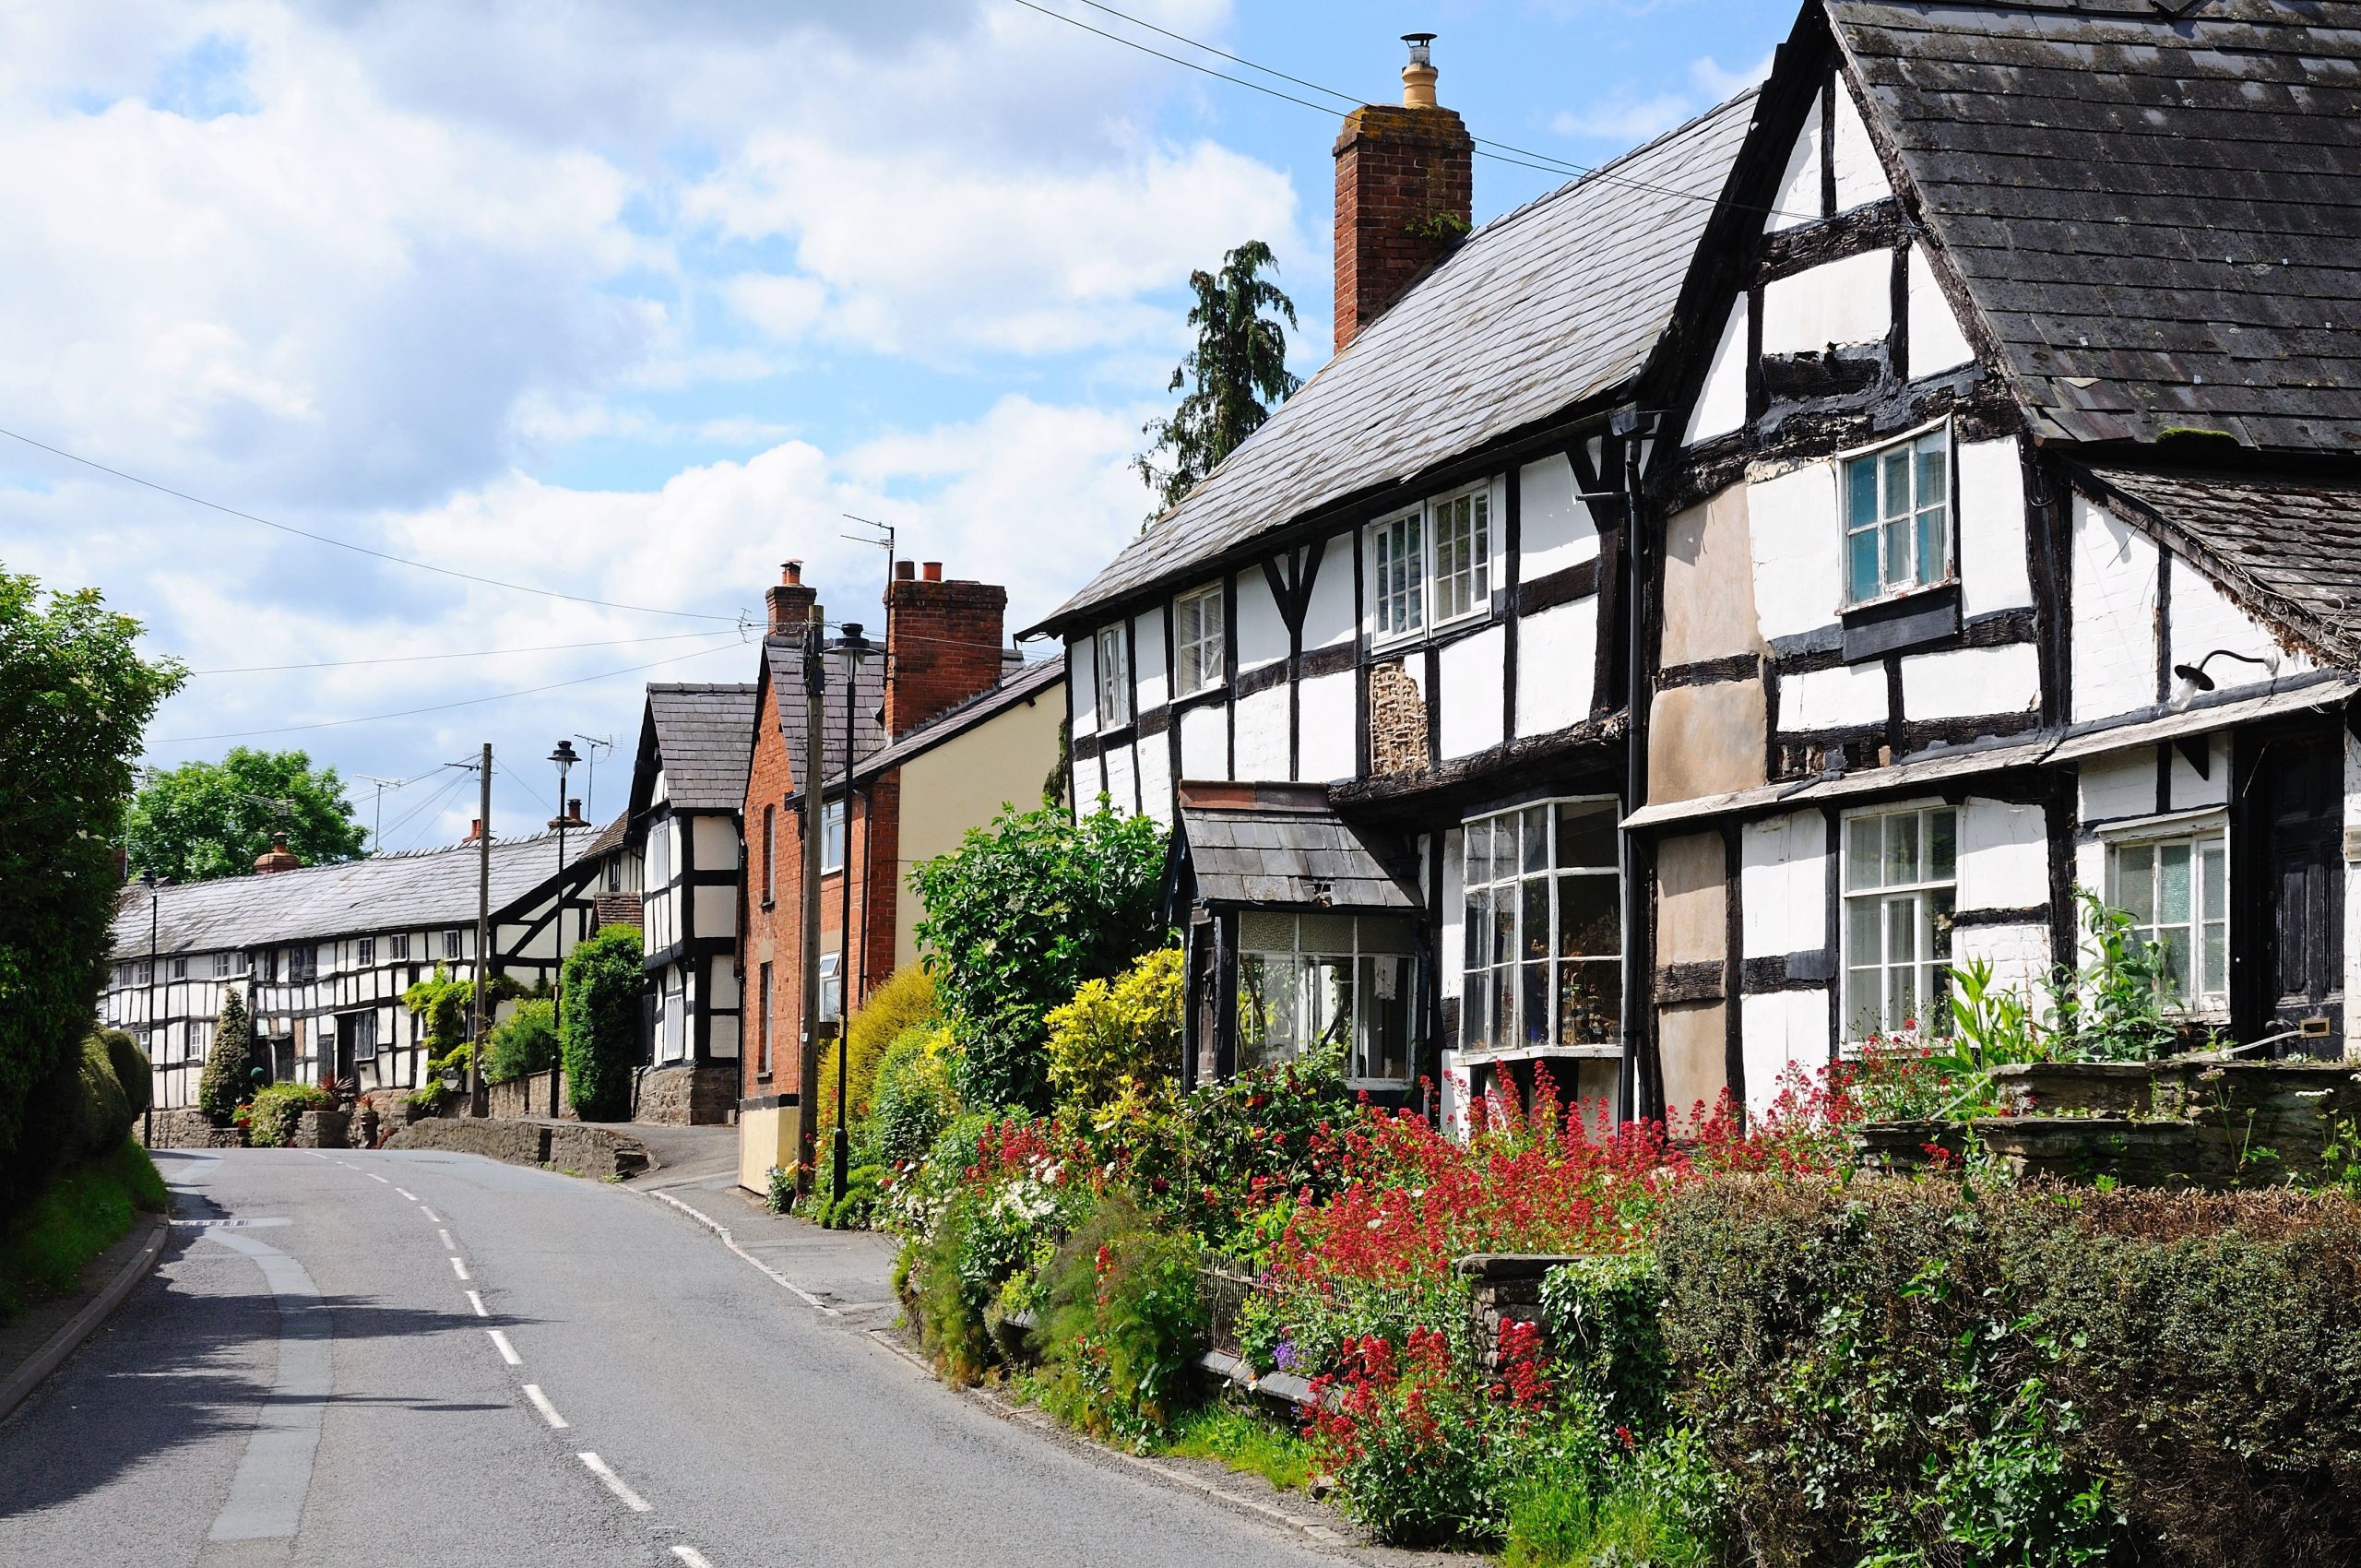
[368,1364]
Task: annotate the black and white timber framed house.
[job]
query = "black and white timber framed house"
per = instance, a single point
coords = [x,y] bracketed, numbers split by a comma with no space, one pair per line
[1912,493]
[2003,536]
[1404,592]
[688,788]
[323,954]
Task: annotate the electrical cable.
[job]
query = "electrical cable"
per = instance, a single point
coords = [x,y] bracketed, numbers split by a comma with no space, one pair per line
[425,811]
[480,653]
[363,549]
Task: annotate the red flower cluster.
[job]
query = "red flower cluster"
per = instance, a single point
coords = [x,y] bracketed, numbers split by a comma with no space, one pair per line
[1521,1381]
[1374,1384]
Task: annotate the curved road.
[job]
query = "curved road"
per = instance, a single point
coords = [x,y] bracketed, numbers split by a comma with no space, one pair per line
[363,1358]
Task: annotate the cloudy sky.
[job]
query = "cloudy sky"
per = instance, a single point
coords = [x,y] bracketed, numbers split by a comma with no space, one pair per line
[631,302]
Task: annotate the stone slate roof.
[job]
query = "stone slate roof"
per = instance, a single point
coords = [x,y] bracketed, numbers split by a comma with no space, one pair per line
[2157,215]
[2289,546]
[1276,852]
[783,656]
[414,890]
[1021,682]
[1543,308]
[702,734]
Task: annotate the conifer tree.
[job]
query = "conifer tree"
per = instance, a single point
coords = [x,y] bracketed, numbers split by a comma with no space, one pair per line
[229,1069]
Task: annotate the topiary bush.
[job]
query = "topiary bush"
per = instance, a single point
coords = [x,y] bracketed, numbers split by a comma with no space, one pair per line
[912,1101]
[132,1070]
[227,1079]
[599,1038]
[523,1043]
[278,1110]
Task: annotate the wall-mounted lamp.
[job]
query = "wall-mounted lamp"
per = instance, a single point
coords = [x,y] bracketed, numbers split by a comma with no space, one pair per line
[2196,676]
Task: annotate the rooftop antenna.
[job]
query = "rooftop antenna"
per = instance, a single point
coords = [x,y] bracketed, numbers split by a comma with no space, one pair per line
[886,543]
[377,831]
[590,792]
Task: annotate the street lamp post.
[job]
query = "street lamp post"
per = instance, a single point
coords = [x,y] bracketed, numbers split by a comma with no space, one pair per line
[155,885]
[565,756]
[855,647]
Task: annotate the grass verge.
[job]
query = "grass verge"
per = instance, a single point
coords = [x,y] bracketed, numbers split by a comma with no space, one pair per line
[1245,1442]
[86,1210]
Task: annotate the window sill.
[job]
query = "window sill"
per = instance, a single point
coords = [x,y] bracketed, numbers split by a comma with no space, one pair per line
[1898,622]
[1485,1055]
[1378,1086]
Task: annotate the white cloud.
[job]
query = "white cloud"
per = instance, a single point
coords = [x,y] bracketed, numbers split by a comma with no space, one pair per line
[1628,116]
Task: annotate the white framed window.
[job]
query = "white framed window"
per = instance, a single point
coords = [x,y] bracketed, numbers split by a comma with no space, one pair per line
[451,942]
[2176,891]
[365,952]
[1198,640]
[832,836]
[1432,566]
[221,966]
[1543,904]
[180,969]
[1461,526]
[1114,677]
[1312,980]
[830,963]
[1898,517]
[303,965]
[1901,880]
[1397,553]
[144,973]
[401,941]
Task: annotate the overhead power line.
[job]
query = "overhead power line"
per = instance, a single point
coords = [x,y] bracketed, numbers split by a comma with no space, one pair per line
[362,549]
[478,653]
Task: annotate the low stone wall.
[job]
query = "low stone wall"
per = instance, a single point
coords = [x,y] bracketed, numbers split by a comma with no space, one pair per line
[184,1129]
[1506,1289]
[322,1129]
[586,1151]
[530,1096]
[688,1097]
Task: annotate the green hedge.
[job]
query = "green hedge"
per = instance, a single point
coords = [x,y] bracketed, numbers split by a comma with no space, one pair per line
[278,1110]
[80,1110]
[85,1210]
[599,1035]
[1893,1372]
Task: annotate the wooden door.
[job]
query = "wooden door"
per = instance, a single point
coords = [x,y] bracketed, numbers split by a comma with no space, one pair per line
[2296,817]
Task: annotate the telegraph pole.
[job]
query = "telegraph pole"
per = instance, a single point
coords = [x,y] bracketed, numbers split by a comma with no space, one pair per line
[807,1071]
[484,932]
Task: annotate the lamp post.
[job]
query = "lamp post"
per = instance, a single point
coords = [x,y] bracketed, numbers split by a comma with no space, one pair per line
[855,647]
[565,756]
[155,885]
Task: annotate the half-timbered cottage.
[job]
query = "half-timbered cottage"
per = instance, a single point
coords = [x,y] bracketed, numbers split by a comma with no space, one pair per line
[2002,543]
[323,954]
[1405,588]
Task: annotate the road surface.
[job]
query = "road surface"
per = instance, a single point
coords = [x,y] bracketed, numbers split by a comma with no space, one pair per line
[422,1359]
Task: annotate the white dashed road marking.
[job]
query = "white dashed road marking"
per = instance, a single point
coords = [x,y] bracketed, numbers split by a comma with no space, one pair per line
[459,1267]
[692,1556]
[411,1197]
[477,1301]
[446,1239]
[541,1403]
[431,1217]
[374,1177]
[507,1352]
[629,1498]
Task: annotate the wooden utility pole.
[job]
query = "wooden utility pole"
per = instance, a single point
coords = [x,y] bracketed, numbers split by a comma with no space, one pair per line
[484,932]
[807,1072]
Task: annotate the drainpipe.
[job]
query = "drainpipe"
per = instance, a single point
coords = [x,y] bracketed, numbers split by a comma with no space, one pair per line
[1630,425]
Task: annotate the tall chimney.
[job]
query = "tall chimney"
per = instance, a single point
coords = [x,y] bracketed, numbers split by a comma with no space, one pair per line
[1405,193]
[943,644]
[790,602]
[279,857]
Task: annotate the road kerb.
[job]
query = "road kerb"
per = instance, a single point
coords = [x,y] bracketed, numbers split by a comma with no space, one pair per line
[35,1369]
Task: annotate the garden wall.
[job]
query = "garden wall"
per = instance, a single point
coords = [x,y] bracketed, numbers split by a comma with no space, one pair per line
[586,1151]
[536,1094]
[687,1097]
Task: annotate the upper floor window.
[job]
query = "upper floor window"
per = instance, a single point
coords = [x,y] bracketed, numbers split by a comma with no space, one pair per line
[303,964]
[1901,879]
[220,966]
[829,965]
[1114,677]
[614,873]
[1544,927]
[2178,894]
[180,969]
[401,941]
[1461,529]
[1398,571]
[145,974]
[365,951]
[832,836]
[1198,640]
[1334,980]
[770,853]
[1897,518]
[1432,566]
[451,942]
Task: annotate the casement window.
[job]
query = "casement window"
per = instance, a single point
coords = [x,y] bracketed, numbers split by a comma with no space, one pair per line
[660,852]
[1544,908]
[770,854]
[2178,893]
[832,836]
[303,965]
[144,973]
[221,966]
[401,947]
[1432,566]
[762,1021]
[1897,518]
[451,942]
[614,873]
[365,952]
[830,963]
[1114,677]
[1901,879]
[364,1034]
[199,1041]
[1322,980]
[1198,640]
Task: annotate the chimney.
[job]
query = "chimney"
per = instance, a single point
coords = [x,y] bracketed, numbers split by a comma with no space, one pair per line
[1405,192]
[943,644]
[475,830]
[573,817]
[790,602]
[278,858]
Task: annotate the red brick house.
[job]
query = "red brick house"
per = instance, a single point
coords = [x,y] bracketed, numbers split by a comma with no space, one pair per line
[948,727]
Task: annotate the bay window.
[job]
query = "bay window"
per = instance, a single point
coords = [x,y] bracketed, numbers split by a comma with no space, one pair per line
[1901,880]
[1544,924]
[1340,981]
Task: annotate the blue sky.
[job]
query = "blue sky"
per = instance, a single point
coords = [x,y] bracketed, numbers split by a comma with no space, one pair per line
[632,302]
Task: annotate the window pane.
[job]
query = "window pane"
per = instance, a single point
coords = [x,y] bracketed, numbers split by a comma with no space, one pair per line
[1479,920]
[1931,550]
[1586,834]
[1504,927]
[2172,882]
[1863,1005]
[1589,917]
[1938,922]
[1897,553]
[2135,881]
[1536,1002]
[1267,1025]
[2215,893]
[1536,840]
[2213,980]
[1860,493]
[1862,852]
[1590,1004]
[1864,942]
[1480,851]
[1504,1004]
[1934,481]
[1378,935]
[1534,935]
[1942,846]
[1504,848]
[1329,998]
[1325,933]
[1385,1036]
[1901,850]
[1902,917]
[1862,573]
[1902,996]
[1895,502]
[1474,1011]
[1259,932]
[2177,956]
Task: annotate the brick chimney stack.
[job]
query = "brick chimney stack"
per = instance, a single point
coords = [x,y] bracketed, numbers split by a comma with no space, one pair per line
[790,602]
[942,643]
[1405,193]
[475,830]
[278,858]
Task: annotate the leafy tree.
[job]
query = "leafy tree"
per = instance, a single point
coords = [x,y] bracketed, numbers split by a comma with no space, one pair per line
[523,1043]
[1018,917]
[229,1068]
[1236,374]
[74,694]
[204,820]
[599,1034]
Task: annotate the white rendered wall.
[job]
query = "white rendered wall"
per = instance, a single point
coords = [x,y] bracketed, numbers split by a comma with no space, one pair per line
[1937,344]
[1721,401]
[1205,742]
[2189,790]
[1963,682]
[1993,573]
[2003,855]
[1783,887]
[1156,779]
[2114,614]
[1119,782]
[1553,523]
[1150,687]
[1792,528]
[716,911]
[2019,954]
[2116,785]
[1263,735]
[1555,667]
[1837,698]
[1472,703]
[1798,199]
[1837,304]
[715,839]
[2204,618]
[1328,621]
[1325,715]
[1081,686]
[1262,634]
[1778,1030]
[1860,178]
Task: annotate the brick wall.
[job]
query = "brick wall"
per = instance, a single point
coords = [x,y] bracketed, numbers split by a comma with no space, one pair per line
[943,644]
[1397,722]
[1405,193]
[771,931]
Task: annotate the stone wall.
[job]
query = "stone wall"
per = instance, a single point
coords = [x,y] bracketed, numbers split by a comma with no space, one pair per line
[529,1096]
[322,1129]
[688,1097]
[585,1151]
[186,1129]
[1505,1287]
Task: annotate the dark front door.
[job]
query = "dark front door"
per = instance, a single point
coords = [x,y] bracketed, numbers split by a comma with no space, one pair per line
[2295,829]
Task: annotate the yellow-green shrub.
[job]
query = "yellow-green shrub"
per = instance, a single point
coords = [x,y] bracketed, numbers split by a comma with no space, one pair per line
[905,1001]
[1120,1043]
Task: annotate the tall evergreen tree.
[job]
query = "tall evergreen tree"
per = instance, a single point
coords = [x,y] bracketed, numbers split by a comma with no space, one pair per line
[1236,374]
[228,1068]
